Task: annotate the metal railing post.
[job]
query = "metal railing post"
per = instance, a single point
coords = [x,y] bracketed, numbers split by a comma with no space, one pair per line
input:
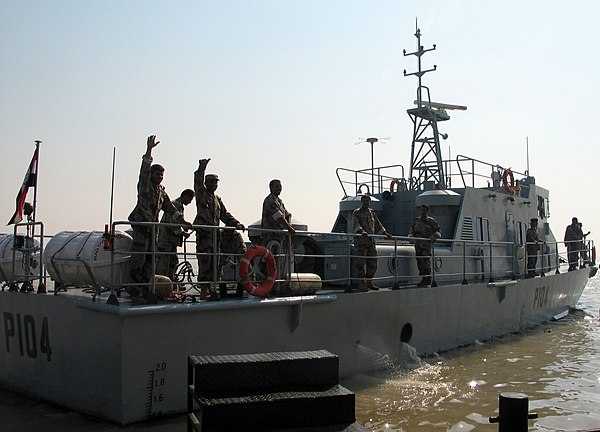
[396,285]
[433,282]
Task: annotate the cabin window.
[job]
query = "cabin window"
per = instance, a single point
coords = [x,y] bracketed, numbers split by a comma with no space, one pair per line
[543,207]
[521,232]
[483,229]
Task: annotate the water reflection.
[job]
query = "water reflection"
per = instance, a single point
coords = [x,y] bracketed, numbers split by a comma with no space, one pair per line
[556,365]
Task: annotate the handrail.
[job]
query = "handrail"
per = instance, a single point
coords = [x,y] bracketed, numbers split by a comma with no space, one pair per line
[466,261]
[377,176]
[476,169]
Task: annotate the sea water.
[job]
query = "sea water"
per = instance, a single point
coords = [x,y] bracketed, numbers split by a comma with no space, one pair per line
[556,364]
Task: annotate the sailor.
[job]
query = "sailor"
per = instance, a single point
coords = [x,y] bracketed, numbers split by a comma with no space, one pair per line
[274,214]
[210,210]
[583,246]
[573,242]
[496,177]
[151,199]
[233,243]
[533,246]
[275,218]
[517,188]
[426,231]
[366,223]
[170,238]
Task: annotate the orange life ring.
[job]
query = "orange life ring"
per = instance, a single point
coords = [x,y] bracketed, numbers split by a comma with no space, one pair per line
[508,174]
[396,183]
[263,289]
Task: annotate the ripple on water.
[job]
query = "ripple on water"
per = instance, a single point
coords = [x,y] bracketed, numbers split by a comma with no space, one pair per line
[556,365]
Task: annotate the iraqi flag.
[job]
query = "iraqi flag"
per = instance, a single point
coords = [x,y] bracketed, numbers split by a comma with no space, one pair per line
[30,180]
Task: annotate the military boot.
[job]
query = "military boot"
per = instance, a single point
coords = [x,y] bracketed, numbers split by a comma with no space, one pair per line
[372,286]
[362,286]
[223,289]
[204,292]
[424,282]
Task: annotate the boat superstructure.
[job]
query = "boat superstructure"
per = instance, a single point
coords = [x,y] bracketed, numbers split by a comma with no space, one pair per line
[85,345]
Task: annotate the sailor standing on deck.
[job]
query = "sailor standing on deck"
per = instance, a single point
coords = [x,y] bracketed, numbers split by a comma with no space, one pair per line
[210,211]
[275,217]
[274,214]
[424,227]
[533,246]
[170,238]
[151,199]
[365,222]
[573,238]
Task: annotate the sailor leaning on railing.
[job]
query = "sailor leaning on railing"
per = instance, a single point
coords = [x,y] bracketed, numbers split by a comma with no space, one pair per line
[171,237]
[533,246]
[365,222]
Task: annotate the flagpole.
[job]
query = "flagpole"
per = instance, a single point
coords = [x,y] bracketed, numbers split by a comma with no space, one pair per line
[112,298]
[112,187]
[37,170]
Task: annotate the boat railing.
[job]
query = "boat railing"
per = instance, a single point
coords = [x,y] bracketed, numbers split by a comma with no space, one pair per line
[475,261]
[462,171]
[452,261]
[371,181]
[20,257]
[476,173]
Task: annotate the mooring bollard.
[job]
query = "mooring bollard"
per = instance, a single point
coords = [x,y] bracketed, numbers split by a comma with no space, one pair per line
[513,413]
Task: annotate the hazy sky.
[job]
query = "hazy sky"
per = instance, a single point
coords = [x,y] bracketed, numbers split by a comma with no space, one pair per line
[283,89]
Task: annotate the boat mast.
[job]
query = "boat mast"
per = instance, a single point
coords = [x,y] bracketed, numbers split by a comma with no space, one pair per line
[426,156]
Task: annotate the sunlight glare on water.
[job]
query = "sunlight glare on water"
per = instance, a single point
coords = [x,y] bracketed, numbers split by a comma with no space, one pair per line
[557,365]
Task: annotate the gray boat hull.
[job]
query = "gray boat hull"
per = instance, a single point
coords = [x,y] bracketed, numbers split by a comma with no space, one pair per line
[129,363]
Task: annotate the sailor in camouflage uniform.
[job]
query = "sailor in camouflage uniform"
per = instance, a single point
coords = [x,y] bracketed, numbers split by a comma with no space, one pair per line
[151,199]
[365,222]
[424,227]
[232,243]
[274,214]
[573,238]
[276,217]
[170,238]
[210,211]
[533,246]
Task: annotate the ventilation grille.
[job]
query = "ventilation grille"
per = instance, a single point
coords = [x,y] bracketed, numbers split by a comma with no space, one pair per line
[467,229]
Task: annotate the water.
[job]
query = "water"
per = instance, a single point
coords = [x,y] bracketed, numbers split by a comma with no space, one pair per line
[557,365]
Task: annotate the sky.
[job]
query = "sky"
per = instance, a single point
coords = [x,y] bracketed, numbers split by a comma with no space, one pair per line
[284,89]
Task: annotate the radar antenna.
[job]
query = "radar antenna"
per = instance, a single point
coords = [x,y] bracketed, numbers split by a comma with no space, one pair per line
[426,156]
[372,141]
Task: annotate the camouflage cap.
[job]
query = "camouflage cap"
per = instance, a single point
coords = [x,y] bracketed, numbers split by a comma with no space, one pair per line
[211,177]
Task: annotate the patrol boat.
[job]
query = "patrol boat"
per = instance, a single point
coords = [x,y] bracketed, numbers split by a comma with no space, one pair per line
[84,346]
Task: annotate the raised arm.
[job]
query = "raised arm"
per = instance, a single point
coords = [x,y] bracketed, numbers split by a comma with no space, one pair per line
[150,144]
[199,176]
